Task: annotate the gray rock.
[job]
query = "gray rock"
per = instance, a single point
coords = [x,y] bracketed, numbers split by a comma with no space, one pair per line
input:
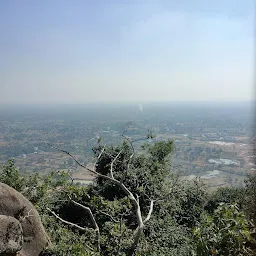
[14,204]
[11,235]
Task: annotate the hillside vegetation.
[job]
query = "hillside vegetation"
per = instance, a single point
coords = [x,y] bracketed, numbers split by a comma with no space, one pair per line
[138,206]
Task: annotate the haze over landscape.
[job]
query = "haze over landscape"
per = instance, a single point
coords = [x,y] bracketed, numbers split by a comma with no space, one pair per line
[110,51]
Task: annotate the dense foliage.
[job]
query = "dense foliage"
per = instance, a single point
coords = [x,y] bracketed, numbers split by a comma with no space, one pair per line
[185,219]
[250,206]
[223,233]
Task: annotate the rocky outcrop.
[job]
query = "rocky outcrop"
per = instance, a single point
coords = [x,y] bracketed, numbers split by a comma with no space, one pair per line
[11,235]
[21,229]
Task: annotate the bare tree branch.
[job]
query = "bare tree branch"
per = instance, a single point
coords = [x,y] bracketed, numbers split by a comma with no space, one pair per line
[131,156]
[133,150]
[28,215]
[126,138]
[112,163]
[66,222]
[80,164]
[111,217]
[149,212]
[99,156]
[96,227]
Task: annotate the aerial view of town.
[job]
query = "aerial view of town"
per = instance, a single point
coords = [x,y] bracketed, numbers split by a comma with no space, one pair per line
[213,141]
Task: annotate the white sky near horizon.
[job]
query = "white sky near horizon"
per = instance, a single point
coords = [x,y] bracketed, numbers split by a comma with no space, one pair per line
[95,51]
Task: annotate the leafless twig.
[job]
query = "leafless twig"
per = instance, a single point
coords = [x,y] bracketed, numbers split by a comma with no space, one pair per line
[133,150]
[96,227]
[149,212]
[112,163]
[111,217]
[28,215]
[66,222]
[99,156]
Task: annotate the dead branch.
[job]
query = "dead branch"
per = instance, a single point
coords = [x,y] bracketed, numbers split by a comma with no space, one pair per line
[112,163]
[149,212]
[96,227]
[99,156]
[133,151]
[28,215]
[111,217]
[129,141]
[80,164]
[66,222]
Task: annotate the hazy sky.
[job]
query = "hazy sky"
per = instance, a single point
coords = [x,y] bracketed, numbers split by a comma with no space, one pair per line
[104,50]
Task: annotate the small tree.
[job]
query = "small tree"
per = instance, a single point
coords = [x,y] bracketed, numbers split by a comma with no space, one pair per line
[11,176]
[133,185]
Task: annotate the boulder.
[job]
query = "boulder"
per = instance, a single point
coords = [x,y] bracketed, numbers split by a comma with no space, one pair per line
[27,234]
[11,235]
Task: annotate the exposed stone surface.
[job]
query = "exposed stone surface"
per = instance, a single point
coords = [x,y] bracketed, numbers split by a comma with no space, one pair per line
[25,219]
[11,235]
